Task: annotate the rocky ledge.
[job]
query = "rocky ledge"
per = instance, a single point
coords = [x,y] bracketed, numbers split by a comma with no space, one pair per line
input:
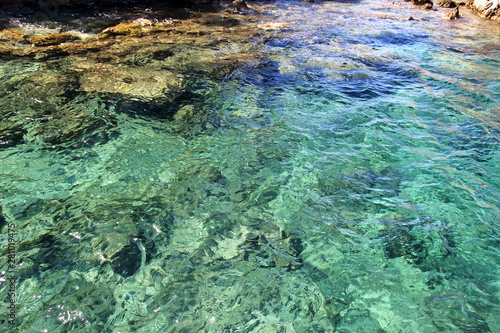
[489,9]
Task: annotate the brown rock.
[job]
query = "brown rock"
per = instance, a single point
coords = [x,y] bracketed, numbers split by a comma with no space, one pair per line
[13,34]
[489,9]
[52,39]
[453,15]
[135,83]
[240,7]
[422,3]
[446,3]
[136,27]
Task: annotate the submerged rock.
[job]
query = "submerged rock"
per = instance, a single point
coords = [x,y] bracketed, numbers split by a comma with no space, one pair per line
[135,83]
[42,106]
[127,261]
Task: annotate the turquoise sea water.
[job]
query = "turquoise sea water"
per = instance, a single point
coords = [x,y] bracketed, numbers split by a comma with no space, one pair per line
[349,183]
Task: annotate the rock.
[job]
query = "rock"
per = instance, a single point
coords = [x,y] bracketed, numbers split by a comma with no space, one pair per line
[240,7]
[422,3]
[453,15]
[136,27]
[41,107]
[446,3]
[52,39]
[489,9]
[13,34]
[11,133]
[127,261]
[123,255]
[135,83]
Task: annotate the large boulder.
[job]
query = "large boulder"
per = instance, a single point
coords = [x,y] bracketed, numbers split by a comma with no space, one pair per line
[489,9]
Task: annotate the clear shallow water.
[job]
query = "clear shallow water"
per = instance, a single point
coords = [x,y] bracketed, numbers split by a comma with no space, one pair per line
[347,184]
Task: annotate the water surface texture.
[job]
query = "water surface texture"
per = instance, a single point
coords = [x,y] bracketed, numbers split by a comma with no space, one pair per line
[347,180]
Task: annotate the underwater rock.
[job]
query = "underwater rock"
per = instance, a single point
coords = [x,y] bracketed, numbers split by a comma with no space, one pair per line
[127,261]
[358,320]
[44,105]
[218,20]
[284,250]
[66,125]
[134,83]
[52,39]
[453,15]
[192,186]
[123,255]
[11,133]
[399,242]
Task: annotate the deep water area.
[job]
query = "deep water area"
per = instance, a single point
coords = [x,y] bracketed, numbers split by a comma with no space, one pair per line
[304,167]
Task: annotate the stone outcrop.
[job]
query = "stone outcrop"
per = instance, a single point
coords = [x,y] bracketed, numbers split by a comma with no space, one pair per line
[489,9]
[52,39]
[454,14]
[426,4]
[446,3]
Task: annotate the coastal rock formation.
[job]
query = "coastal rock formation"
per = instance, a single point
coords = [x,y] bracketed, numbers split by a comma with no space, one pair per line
[489,9]
[426,4]
[420,2]
[52,39]
[446,3]
[453,15]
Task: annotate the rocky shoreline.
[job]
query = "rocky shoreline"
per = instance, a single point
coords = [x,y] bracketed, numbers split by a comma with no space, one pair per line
[489,9]
[142,59]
